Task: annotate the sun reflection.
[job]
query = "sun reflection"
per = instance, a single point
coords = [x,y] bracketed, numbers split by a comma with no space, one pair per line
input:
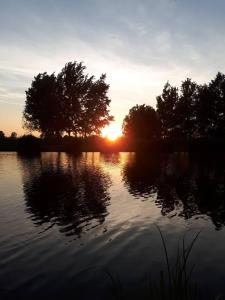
[111,132]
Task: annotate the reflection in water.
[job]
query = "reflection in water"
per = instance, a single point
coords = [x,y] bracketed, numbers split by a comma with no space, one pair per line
[182,185]
[130,194]
[66,191]
[73,192]
[111,158]
[140,175]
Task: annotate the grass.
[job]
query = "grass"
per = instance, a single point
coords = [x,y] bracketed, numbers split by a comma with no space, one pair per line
[173,284]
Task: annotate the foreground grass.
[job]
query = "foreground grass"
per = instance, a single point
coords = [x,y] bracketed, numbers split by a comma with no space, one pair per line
[173,284]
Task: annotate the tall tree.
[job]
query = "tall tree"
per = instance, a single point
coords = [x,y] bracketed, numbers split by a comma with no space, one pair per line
[2,135]
[13,135]
[73,86]
[72,102]
[167,111]
[210,108]
[204,110]
[185,108]
[142,122]
[95,112]
[42,110]
[217,91]
[84,100]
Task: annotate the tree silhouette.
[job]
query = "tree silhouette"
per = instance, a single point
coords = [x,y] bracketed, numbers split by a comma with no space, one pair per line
[71,102]
[204,112]
[73,86]
[84,100]
[142,122]
[185,109]
[167,111]
[13,135]
[42,111]
[95,113]
[2,135]
[196,111]
[217,90]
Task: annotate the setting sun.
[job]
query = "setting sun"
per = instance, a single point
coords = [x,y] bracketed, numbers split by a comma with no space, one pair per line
[111,132]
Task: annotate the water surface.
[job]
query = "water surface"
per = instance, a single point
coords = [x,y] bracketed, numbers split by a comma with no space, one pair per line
[65,221]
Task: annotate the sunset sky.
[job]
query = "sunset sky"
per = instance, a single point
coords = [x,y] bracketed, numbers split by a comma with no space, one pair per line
[139,44]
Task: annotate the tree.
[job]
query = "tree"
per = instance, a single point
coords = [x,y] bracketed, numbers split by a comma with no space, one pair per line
[185,108]
[142,122]
[13,135]
[73,85]
[204,110]
[42,111]
[217,91]
[210,108]
[84,100]
[2,135]
[95,112]
[167,111]
[197,111]
[72,102]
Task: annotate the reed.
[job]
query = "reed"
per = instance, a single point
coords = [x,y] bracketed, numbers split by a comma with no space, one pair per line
[176,283]
[173,284]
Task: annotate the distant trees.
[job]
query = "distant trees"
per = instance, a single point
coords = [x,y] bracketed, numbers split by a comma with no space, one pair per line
[189,112]
[71,102]
[13,135]
[142,122]
[75,103]
[166,108]
[194,111]
[2,135]
[177,110]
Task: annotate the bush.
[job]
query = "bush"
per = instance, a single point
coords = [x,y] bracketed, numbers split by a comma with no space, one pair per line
[28,144]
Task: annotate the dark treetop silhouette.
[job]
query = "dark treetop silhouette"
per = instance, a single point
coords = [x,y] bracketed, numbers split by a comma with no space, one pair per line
[186,119]
[142,122]
[189,118]
[198,111]
[71,102]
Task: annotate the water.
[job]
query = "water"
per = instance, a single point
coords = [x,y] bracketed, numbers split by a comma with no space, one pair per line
[66,221]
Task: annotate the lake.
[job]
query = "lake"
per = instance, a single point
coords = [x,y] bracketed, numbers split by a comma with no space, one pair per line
[68,222]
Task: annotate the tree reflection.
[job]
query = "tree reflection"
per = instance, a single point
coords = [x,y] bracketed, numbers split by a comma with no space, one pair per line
[111,158]
[66,192]
[140,174]
[181,185]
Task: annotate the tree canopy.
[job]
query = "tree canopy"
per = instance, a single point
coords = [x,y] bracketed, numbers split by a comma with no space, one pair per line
[189,112]
[42,108]
[71,102]
[74,102]
[2,135]
[142,122]
[193,111]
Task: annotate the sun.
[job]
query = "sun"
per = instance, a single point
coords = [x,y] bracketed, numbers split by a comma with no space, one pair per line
[111,132]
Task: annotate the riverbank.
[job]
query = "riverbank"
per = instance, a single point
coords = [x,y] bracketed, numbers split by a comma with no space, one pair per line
[100,144]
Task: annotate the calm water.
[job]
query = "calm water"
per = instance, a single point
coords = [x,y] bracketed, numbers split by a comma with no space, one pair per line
[65,221]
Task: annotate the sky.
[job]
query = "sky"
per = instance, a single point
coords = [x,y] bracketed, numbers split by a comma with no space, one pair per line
[139,44]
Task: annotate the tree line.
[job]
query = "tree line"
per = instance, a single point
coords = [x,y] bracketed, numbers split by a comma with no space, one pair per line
[76,103]
[70,102]
[191,112]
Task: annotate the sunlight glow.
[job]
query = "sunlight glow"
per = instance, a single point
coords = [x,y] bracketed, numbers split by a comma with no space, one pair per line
[111,132]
